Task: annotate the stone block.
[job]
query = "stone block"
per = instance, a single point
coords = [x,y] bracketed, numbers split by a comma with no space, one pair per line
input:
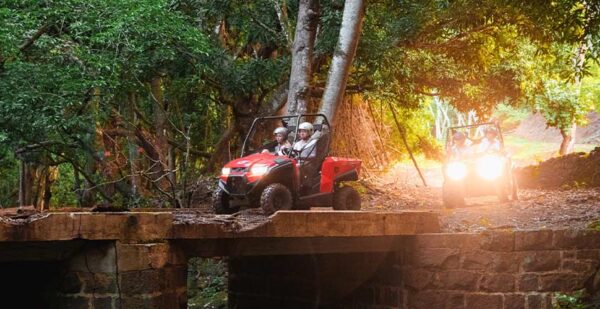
[529,282]
[435,258]
[427,299]
[101,283]
[494,282]
[140,282]
[505,262]
[536,301]
[578,266]
[514,301]
[497,241]
[175,277]
[102,303]
[478,260]
[456,280]
[593,254]
[456,240]
[576,239]
[73,302]
[418,279]
[488,301]
[569,254]
[533,240]
[541,261]
[561,282]
[99,258]
[144,256]
[134,302]
[456,301]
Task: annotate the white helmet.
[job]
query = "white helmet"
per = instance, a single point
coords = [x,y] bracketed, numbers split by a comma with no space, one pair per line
[306,126]
[280,130]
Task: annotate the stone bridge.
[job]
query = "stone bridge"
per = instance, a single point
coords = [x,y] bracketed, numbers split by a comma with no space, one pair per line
[308,259]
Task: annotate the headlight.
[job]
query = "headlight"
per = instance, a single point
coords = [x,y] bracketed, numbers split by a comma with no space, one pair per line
[489,167]
[225,171]
[258,170]
[456,170]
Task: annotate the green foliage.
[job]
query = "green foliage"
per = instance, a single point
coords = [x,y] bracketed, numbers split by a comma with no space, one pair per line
[509,117]
[595,226]
[569,301]
[207,283]
[72,70]
[63,193]
[9,169]
[576,300]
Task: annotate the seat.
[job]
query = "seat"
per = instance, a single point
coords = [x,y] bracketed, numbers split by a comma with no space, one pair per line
[310,169]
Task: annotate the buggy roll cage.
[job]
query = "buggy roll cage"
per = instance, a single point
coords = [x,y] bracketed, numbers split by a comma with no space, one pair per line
[451,131]
[318,127]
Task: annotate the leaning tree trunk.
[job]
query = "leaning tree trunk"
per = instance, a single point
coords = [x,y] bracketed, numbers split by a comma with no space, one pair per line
[302,52]
[568,142]
[342,57]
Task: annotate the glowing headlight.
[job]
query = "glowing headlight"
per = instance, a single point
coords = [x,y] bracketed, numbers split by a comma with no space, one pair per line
[259,170]
[456,170]
[225,171]
[489,167]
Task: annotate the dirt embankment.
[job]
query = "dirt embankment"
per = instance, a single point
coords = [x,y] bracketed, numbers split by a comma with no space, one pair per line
[571,171]
[534,128]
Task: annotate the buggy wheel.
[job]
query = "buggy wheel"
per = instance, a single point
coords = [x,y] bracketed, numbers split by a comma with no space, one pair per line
[346,198]
[221,203]
[275,197]
[451,197]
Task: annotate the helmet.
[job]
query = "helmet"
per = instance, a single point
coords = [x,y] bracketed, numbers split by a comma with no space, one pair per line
[280,130]
[459,136]
[306,126]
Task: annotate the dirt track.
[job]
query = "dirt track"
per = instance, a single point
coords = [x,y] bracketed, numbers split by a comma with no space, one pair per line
[401,189]
[536,209]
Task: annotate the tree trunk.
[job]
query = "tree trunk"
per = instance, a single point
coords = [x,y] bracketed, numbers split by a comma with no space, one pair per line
[23,185]
[568,143]
[159,163]
[48,180]
[132,146]
[343,56]
[302,53]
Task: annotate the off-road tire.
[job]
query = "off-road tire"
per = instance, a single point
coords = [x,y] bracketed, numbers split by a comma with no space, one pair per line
[276,197]
[220,203]
[346,198]
[450,198]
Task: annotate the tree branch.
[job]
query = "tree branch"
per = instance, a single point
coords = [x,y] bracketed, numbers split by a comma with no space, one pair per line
[34,37]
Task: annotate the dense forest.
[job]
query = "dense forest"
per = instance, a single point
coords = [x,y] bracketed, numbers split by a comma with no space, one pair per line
[132,103]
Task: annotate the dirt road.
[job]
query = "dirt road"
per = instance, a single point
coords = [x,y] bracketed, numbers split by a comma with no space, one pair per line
[401,189]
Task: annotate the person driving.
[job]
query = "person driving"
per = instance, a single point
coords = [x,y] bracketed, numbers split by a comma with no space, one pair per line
[490,142]
[461,147]
[304,146]
[281,135]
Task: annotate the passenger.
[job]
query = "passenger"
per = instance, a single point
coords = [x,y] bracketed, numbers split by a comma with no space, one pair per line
[461,147]
[305,146]
[490,142]
[281,135]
